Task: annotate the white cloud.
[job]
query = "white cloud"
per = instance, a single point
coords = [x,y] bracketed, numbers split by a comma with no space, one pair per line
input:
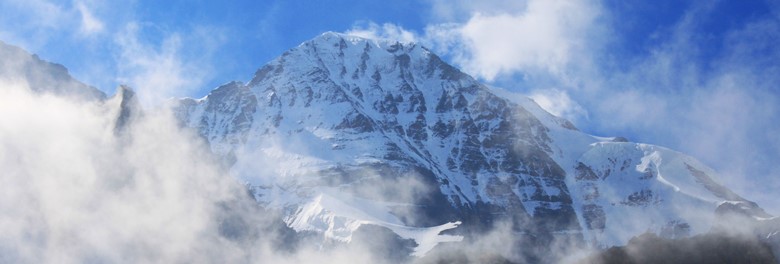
[161,71]
[558,103]
[153,193]
[82,194]
[388,31]
[89,23]
[47,17]
[544,36]
[542,43]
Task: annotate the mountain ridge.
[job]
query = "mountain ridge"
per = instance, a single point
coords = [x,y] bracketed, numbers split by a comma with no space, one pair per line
[341,132]
[418,112]
[42,76]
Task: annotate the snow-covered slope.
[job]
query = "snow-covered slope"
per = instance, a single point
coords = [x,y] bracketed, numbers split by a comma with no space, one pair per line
[328,132]
[621,189]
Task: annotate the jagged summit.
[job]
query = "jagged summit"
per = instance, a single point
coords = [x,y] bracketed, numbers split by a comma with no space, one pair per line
[346,54]
[330,36]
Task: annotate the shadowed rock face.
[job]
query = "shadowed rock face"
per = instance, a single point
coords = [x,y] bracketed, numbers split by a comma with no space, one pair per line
[713,186]
[129,108]
[707,248]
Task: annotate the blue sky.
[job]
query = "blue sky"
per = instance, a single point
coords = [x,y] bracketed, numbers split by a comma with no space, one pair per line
[702,77]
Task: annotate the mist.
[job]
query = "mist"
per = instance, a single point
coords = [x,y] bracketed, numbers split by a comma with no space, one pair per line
[82,187]
[85,187]
[77,191]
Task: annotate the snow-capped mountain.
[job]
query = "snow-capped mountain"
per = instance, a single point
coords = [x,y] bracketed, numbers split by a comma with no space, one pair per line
[343,132]
[324,132]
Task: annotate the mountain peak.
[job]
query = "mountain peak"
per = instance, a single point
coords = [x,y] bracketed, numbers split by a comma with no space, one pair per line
[351,57]
[335,41]
[330,36]
[344,131]
[346,113]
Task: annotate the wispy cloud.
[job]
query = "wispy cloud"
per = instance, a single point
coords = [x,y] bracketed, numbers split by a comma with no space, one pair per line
[90,24]
[154,193]
[74,27]
[717,107]
[390,31]
[81,194]
[559,103]
[159,71]
[541,36]
[43,16]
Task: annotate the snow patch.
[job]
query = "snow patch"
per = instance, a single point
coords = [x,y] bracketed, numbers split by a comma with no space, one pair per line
[338,216]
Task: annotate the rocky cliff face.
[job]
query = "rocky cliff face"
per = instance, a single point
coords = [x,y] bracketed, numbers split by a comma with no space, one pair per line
[348,114]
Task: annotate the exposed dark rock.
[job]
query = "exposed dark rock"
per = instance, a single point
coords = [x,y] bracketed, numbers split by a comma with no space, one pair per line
[417,130]
[584,172]
[706,248]
[356,122]
[594,216]
[129,108]
[649,173]
[442,130]
[641,198]
[713,186]
[620,139]
[675,229]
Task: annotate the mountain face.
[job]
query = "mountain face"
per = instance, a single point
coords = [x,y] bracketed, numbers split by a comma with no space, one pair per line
[327,132]
[348,138]
[337,112]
